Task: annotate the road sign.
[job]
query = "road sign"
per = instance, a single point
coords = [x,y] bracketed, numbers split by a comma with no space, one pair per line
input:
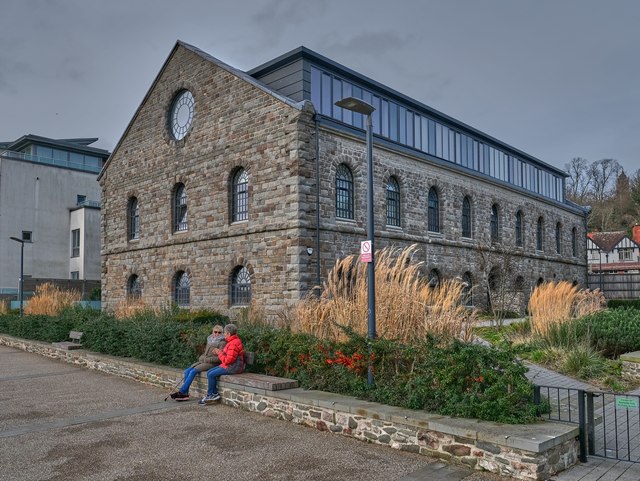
[365,251]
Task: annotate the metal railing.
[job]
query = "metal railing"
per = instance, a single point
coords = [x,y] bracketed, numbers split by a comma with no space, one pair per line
[609,423]
[9,154]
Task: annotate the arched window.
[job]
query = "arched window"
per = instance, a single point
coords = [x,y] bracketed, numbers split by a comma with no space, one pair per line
[134,289]
[133,216]
[574,242]
[393,203]
[519,284]
[182,289]
[433,214]
[466,217]
[240,189]
[434,278]
[540,234]
[467,289]
[558,238]
[519,229]
[344,193]
[179,208]
[240,287]
[495,225]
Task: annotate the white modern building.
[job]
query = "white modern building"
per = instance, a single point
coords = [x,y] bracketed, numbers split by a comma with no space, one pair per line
[49,198]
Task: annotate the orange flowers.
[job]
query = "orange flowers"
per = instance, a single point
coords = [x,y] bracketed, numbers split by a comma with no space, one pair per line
[354,362]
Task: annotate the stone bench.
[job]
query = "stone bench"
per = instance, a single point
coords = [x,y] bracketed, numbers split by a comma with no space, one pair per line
[252,381]
[257,381]
[74,343]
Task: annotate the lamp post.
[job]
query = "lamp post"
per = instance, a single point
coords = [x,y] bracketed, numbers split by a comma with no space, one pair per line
[17,239]
[361,107]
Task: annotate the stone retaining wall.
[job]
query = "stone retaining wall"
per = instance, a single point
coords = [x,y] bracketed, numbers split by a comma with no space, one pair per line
[528,452]
[631,364]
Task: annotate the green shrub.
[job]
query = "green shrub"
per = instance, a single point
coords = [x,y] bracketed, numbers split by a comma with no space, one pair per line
[450,378]
[441,376]
[616,303]
[613,332]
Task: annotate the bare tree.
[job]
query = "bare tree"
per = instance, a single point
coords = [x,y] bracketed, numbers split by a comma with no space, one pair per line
[497,267]
[603,174]
[579,180]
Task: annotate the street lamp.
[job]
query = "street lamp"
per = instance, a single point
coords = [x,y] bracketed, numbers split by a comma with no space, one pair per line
[17,239]
[362,107]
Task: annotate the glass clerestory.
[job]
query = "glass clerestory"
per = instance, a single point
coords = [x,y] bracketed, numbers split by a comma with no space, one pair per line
[417,130]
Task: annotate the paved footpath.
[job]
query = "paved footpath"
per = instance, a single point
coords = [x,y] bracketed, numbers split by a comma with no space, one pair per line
[596,469]
[62,422]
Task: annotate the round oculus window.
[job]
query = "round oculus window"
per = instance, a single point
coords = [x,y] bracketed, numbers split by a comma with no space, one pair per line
[182,114]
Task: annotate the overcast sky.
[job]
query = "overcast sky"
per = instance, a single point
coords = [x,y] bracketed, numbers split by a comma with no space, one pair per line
[555,78]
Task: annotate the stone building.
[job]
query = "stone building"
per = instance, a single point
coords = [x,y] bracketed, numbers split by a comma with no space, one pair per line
[229,186]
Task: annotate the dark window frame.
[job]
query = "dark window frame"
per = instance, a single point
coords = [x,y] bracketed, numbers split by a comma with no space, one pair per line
[133,215]
[134,287]
[240,196]
[433,211]
[519,229]
[240,287]
[75,243]
[180,208]
[182,289]
[344,193]
[495,224]
[558,238]
[467,230]
[393,203]
[540,234]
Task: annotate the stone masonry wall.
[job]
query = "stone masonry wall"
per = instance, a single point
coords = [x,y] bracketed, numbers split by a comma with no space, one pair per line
[446,250]
[454,440]
[235,125]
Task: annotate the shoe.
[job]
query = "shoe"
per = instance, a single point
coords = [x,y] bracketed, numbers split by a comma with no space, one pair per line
[209,398]
[180,396]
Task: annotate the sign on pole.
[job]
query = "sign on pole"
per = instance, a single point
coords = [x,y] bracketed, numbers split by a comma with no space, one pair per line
[365,251]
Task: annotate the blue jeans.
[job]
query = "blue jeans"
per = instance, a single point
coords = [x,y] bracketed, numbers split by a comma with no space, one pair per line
[189,374]
[212,376]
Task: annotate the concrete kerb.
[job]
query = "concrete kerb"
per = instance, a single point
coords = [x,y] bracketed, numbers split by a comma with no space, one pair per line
[523,447]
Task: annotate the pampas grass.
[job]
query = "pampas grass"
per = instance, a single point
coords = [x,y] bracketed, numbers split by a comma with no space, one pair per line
[131,306]
[4,307]
[50,300]
[407,308]
[554,303]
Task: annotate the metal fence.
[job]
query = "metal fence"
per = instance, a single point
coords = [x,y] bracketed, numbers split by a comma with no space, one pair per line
[616,286]
[609,423]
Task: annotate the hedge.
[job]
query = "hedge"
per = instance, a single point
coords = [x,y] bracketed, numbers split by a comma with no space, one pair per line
[442,376]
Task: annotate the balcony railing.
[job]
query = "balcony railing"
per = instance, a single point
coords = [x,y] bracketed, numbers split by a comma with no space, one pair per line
[49,161]
[89,203]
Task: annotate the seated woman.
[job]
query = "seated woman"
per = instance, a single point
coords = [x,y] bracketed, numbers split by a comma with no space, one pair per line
[206,361]
[231,362]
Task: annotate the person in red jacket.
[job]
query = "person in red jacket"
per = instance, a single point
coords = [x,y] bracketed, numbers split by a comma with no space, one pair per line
[231,362]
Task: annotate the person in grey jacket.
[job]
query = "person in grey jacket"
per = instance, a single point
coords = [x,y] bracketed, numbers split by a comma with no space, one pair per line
[215,341]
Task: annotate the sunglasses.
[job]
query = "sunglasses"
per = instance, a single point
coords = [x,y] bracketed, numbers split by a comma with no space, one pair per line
[217,332]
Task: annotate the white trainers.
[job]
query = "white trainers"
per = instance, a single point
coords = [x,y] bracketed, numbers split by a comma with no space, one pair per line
[210,398]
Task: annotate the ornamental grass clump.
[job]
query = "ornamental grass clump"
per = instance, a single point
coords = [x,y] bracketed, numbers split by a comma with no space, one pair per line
[50,300]
[553,303]
[4,308]
[133,306]
[407,306]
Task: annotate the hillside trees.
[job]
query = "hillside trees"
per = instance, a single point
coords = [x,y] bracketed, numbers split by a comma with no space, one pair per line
[604,185]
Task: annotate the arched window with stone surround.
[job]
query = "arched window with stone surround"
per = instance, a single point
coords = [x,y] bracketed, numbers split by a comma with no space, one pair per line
[344,193]
[179,208]
[182,289]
